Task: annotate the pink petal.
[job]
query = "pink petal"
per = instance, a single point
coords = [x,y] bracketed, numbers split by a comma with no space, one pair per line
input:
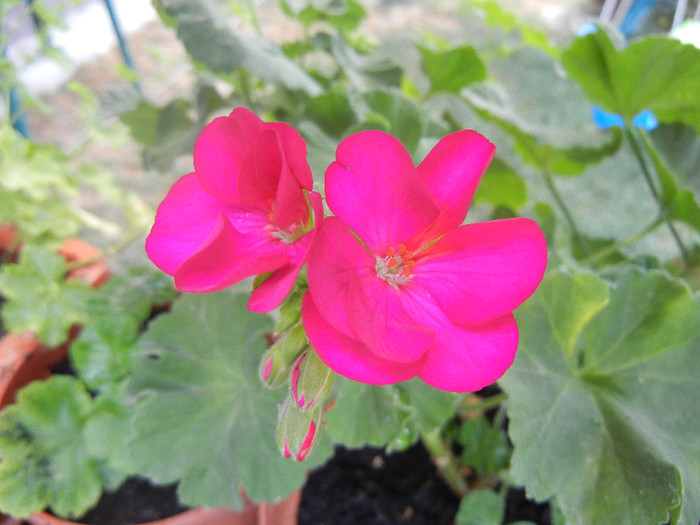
[294,148]
[451,173]
[375,189]
[227,257]
[336,260]
[463,359]
[482,271]
[468,359]
[344,284]
[347,356]
[383,324]
[183,222]
[290,201]
[259,178]
[220,150]
[270,294]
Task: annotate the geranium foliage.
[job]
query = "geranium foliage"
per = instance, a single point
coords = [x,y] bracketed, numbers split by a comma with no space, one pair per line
[603,398]
[196,376]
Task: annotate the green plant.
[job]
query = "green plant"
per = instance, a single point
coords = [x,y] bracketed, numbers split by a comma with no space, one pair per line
[600,399]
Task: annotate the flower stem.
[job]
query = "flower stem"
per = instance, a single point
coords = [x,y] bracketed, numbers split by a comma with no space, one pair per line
[445,461]
[634,141]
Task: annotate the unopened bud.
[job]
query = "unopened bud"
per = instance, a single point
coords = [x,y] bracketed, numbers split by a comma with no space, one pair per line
[278,361]
[297,429]
[312,380]
[290,311]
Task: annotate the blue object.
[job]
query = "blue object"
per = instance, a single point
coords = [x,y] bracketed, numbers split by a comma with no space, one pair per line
[644,119]
[637,14]
[587,29]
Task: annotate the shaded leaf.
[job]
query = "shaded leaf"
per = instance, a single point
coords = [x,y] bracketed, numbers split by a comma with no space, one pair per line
[480,507]
[197,375]
[223,50]
[364,71]
[393,414]
[453,69]
[608,429]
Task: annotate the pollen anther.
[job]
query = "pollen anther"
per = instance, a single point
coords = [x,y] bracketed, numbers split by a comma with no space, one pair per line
[396,267]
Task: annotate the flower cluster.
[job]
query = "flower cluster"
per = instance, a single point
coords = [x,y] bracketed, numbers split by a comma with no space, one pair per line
[398,286]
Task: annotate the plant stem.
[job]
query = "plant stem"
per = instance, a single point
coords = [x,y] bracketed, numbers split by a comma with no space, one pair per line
[630,133]
[116,248]
[609,250]
[549,182]
[486,403]
[445,461]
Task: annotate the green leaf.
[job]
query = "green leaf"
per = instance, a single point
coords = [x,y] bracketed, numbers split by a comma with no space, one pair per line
[480,507]
[343,15]
[107,434]
[202,417]
[656,73]
[612,433]
[363,414]
[40,300]
[381,415]
[680,204]
[501,186]
[393,113]
[364,71]
[545,114]
[166,132]
[496,15]
[223,51]
[103,351]
[453,69]
[54,468]
[134,292]
[331,111]
[484,447]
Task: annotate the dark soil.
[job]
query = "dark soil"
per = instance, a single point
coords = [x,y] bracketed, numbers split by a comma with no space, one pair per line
[136,501]
[366,486]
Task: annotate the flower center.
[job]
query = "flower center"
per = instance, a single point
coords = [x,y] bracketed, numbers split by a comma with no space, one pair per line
[396,267]
[288,235]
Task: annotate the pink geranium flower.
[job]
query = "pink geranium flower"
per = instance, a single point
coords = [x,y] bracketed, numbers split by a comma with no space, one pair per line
[397,286]
[246,210]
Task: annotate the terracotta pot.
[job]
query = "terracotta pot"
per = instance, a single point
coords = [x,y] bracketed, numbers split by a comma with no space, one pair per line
[280,513]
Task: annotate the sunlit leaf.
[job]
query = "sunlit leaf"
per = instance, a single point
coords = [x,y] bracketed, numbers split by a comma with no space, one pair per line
[40,299]
[53,468]
[657,73]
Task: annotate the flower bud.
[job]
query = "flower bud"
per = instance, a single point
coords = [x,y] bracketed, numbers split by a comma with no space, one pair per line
[290,311]
[312,380]
[277,362]
[297,429]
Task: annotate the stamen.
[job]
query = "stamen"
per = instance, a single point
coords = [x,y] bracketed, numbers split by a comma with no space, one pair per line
[397,265]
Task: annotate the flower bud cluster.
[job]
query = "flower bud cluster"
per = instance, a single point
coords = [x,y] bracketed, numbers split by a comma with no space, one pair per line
[291,361]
